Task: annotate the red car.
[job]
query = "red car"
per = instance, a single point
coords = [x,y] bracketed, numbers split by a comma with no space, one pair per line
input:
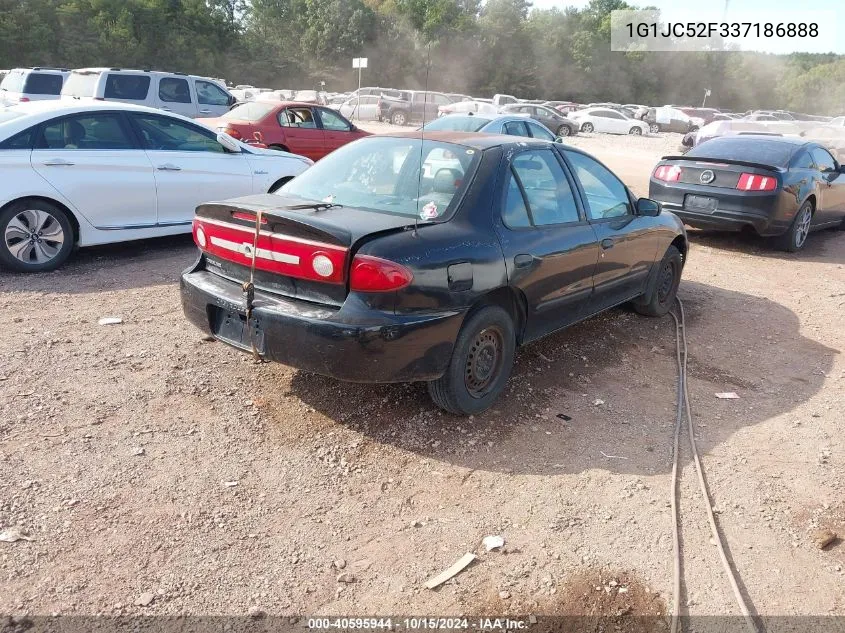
[302,128]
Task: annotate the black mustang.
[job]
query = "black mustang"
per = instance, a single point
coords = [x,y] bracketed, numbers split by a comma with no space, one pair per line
[777,186]
[401,259]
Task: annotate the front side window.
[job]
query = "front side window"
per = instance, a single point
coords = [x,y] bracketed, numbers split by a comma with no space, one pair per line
[332,121]
[173,90]
[43,84]
[91,132]
[127,87]
[824,161]
[166,134]
[384,174]
[211,94]
[297,117]
[606,195]
[538,131]
[547,191]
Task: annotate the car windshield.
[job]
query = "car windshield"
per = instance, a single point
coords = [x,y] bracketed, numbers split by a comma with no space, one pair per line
[383,174]
[757,150]
[251,111]
[457,123]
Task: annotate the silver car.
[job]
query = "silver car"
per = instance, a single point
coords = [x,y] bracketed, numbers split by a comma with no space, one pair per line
[514,125]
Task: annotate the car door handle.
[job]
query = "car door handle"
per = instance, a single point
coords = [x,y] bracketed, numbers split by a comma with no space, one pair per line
[607,243]
[523,261]
[169,167]
[166,109]
[205,111]
[58,162]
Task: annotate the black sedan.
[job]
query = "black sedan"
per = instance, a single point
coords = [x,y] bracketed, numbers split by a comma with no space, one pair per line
[549,117]
[398,259]
[782,187]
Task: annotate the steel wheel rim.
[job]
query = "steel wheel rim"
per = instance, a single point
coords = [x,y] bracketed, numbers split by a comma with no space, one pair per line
[34,236]
[484,361]
[803,228]
[666,282]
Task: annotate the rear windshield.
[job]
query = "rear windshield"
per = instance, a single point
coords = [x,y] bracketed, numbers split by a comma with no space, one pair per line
[81,84]
[383,174]
[457,123]
[13,82]
[43,84]
[251,111]
[756,150]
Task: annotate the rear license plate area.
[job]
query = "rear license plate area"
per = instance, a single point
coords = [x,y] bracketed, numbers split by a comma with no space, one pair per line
[230,327]
[699,203]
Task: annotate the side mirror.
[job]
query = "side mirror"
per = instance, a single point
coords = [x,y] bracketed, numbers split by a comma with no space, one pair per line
[228,143]
[648,207]
[558,139]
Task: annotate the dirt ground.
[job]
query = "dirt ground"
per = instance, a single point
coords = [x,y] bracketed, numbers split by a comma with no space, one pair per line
[141,459]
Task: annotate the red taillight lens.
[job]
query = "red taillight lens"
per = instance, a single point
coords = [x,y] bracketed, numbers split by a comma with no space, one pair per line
[233,133]
[756,182]
[24,99]
[373,274]
[667,173]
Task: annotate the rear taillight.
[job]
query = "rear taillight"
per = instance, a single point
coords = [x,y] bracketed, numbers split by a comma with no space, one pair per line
[233,132]
[756,182]
[24,99]
[373,274]
[667,173]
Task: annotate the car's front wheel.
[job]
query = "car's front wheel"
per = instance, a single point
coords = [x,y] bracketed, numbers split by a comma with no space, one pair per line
[563,130]
[480,366]
[587,127]
[662,289]
[37,236]
[636,131]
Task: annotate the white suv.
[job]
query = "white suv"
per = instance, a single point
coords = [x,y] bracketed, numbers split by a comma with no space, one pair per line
[31,84]
[187,95]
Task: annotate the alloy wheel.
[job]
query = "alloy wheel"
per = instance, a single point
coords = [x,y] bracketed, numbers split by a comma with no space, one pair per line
[34,236]
[803,228]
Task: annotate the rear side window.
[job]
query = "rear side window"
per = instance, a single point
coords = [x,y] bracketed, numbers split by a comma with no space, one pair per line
[803,161]
[173,90]
[129,87]
[21,140]
[297,117]
[81,84]
[515,213]
[43,84]
[209,94]
[96,131]
[515,128]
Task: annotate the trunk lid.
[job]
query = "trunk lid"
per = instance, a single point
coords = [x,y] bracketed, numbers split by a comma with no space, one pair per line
[723,173]
[301,253]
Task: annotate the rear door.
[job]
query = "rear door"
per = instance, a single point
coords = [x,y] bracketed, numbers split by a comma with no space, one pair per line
[302,133]
[831,207]
[93,161]
[550,250]
[627,245]
[175,95]
[190,166]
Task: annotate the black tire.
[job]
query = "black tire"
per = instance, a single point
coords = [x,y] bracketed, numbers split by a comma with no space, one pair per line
[48,248]
[662,288]
[564,130]
[481,363]
[279,183]
[399,118]
[796,236]
[587,127]
[636,131]
[654,128]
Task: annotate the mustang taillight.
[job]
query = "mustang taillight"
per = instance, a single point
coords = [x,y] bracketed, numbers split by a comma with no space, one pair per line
[373,274]
[756,182]
[274,252]
[667,173]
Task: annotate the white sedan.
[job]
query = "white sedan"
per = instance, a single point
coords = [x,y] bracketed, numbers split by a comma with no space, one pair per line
[82,174]
[607,120]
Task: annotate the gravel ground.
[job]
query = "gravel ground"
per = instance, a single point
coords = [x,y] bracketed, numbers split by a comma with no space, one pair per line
[158,473]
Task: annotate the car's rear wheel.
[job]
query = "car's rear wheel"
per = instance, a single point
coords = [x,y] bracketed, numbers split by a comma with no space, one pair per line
[398,118]
[37,236]
[587,127]
[636,131]
[794,239]
[563,130]
[662,289]
[654,128]
[481,363]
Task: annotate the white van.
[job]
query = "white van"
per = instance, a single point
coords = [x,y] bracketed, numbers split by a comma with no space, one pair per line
[31,84]
[188,95]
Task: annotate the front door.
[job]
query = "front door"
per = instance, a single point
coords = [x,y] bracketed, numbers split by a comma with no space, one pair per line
[337,131]
[627,243]
[212,100]
[831,207]
[550,249]
[190,166]
[93,162]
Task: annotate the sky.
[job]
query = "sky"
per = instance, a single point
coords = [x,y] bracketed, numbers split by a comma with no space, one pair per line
[829,15]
